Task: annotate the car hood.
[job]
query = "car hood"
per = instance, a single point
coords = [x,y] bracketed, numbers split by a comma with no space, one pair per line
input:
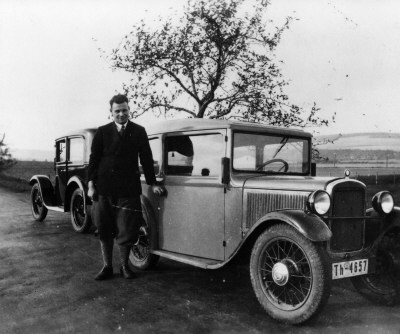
[275,182]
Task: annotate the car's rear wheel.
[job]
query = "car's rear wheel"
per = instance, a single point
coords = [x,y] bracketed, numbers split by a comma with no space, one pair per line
[80,220]
[140,256]
[39,211]
[289,274]
[383,286]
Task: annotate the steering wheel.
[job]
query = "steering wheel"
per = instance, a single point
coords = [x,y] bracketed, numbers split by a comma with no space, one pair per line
[283,162]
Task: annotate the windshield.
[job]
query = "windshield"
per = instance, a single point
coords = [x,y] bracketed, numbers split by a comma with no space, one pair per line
[254,152]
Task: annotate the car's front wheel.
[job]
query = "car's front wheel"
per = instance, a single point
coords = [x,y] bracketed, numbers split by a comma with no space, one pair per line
[80,220]
[140,256]
[39,211]
[383,286]
[289,274]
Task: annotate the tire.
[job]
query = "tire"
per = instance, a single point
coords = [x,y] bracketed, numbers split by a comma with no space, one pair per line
[140,256]
[383,286]
[80,219]
[39,211]
[294,296]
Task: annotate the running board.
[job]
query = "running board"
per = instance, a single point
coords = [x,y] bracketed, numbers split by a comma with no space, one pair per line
[55,208]
[192,260]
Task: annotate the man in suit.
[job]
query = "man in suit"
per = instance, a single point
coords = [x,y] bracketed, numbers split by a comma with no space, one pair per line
[114,184]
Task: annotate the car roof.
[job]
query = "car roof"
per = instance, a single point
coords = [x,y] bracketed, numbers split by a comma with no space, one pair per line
[87,133]
[193,124]
[198,124]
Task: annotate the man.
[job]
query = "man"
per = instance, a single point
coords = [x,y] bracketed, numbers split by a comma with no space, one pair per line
[114,184]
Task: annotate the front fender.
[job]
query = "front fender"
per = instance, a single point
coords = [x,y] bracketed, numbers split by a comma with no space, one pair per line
[388,222]
[308,224]
[46,189]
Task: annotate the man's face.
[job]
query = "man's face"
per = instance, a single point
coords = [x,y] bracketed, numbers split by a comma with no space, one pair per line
[120,112]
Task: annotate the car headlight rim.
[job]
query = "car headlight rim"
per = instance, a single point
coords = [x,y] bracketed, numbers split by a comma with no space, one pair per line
[319,202]
[383,202]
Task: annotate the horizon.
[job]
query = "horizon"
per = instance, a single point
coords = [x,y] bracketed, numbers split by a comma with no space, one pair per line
[54,80]
[43,155]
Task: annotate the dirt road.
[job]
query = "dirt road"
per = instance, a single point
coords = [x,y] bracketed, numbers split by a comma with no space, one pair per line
[47,286]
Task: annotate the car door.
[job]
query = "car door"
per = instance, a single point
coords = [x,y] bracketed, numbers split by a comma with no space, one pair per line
[191,215]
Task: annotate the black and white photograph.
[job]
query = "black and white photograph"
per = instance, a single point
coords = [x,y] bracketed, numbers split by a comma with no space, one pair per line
[199,166]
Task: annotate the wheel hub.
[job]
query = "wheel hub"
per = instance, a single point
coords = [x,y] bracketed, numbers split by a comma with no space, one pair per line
[280,273]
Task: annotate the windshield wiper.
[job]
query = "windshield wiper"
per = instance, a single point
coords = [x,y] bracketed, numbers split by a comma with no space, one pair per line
[283,143]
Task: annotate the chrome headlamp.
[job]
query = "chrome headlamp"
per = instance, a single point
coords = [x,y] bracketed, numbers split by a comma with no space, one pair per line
[319,202]
[383,202]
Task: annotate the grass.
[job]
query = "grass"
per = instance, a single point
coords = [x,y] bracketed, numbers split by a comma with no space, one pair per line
[17,178]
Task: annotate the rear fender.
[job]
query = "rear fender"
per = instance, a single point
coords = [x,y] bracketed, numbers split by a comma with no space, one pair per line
[46,189]
[308,224]
[148,212]
[74,183]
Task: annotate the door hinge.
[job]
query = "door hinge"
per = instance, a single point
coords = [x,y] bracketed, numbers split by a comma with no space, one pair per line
[224,243]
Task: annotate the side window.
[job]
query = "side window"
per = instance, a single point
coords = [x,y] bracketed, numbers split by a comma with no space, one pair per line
[61,151]
[197,155]
[156,151]
[76,150]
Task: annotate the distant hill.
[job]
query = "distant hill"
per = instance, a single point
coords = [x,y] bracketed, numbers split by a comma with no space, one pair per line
[361,141]
[38,155]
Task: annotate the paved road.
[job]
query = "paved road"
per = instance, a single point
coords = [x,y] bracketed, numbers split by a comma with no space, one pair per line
[47,286]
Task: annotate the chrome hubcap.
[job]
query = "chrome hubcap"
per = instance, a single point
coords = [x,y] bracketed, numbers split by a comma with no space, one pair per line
[280,273]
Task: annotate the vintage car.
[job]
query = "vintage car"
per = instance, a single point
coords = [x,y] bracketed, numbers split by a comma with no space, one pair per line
[68,194]
[245,190]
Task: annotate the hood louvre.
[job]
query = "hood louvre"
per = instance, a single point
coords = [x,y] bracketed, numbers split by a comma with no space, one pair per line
[259,203]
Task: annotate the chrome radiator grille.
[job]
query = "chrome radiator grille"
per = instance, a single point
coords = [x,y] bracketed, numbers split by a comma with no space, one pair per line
[260,203]
[347,230]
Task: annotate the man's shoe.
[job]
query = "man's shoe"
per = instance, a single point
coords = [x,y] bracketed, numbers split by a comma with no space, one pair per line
[104,273]
[126,272]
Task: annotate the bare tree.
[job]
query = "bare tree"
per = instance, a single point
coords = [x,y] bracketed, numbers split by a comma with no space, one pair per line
[6,159]
[216,61]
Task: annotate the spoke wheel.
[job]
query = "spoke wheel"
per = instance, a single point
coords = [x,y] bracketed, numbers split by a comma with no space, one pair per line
[140,256]
[289,274]
[39,211]
[383,286]
[80,220]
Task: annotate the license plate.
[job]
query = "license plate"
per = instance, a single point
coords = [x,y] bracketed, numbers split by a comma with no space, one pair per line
[349,268]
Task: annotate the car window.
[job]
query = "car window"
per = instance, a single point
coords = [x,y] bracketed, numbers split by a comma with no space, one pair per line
[270,153]
[61,151]
[76,150]
[197,155]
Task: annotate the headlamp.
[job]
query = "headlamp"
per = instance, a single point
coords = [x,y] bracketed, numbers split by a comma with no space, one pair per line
[319,202]
[383,202]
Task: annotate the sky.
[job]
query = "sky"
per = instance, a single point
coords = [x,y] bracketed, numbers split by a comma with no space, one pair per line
[341,54]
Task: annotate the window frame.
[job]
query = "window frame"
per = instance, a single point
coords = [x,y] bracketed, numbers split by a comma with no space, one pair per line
[72,163]
[222,132]
[306,139]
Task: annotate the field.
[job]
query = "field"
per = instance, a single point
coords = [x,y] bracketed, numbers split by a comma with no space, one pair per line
[376,178]
[18,176]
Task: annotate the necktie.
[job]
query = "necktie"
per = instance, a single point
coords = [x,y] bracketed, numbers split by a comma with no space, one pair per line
[121,132]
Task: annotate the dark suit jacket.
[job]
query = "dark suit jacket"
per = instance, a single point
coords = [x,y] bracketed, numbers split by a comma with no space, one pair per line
[114,161]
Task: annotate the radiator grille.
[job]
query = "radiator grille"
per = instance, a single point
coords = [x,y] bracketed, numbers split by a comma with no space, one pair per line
[260,203]
[347,233]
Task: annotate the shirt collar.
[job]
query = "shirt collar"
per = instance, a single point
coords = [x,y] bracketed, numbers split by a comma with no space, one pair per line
[119,126]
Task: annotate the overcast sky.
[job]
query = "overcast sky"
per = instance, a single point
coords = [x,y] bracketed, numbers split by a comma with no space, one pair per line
[342,54]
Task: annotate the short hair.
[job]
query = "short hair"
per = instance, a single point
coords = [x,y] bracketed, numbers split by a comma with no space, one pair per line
[118,99]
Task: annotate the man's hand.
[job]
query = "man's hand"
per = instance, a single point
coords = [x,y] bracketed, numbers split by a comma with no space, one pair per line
[92,192]
[158,190]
